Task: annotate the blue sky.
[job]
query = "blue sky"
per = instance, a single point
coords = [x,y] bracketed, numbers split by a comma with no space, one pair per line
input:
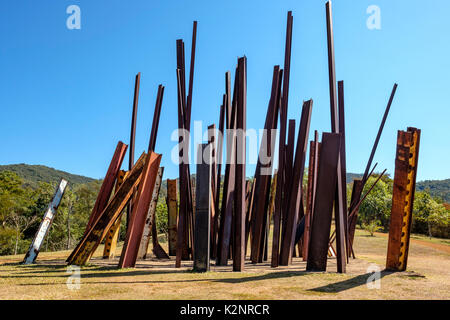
[66,95]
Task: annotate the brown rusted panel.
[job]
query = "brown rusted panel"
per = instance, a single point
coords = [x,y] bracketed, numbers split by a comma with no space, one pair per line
[89,243]
[295,206]
[323,204]
[108,183]
[140,209]
[172,207]
[403,199]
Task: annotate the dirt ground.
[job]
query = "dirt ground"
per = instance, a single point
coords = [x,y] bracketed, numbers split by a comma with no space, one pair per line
[427,277]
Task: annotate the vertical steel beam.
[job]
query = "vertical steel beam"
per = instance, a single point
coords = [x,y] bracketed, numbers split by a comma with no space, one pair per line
[340,212]
[203,208]
[296,186]
[239,201]
[140,211]
[212,137]
[323,204]
[406,161]
[229,182]
[281,153]
[46,223]
[172,207]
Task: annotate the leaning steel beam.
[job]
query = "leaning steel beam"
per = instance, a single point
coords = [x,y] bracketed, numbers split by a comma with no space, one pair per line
[46,223]
[369,163]
[281,156]
[145,241]
[113,233]
[212,137]
[108,183]
[133,135]
[323,204]
[406,161]
[239,201]
[156,116]
[140,210]
[89,243]
[203,205]
[295,206]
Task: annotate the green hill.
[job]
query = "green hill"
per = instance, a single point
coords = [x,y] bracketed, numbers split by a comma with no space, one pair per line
[438,188]
[37,173]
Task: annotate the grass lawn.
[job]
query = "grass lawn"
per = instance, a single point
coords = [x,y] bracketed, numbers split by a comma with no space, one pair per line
[427,277]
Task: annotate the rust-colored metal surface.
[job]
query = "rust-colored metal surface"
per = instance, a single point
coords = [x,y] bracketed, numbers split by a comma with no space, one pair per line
[403,198]
[89,243]
[140,211]
[279,200]
[147,234]
[172,207]
[108,183]
[113,233]
[295,207]
[323,204]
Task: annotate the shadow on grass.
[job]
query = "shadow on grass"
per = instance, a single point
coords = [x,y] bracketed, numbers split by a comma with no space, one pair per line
[348,284]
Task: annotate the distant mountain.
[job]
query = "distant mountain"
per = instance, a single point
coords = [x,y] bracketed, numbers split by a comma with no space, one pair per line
[437,188]
[37,173]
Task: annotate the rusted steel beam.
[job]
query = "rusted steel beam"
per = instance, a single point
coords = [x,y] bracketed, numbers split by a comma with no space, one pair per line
[357,184]
[281,153]
[288,168]
[288,244]
[182,233]
[156,116]
[323,204]
[191,75]
[133,135]
[203,208]
[239,200]
[369,162]
[108,183]
[229,182]
[340,206]
[172,208]
[147,233]
[262,181]
[46,223]
[312,179]
[113,233]
[212,145]
[219,178]
[249,197]
[406,161]
[140,210]
[89,243]
[343,160]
